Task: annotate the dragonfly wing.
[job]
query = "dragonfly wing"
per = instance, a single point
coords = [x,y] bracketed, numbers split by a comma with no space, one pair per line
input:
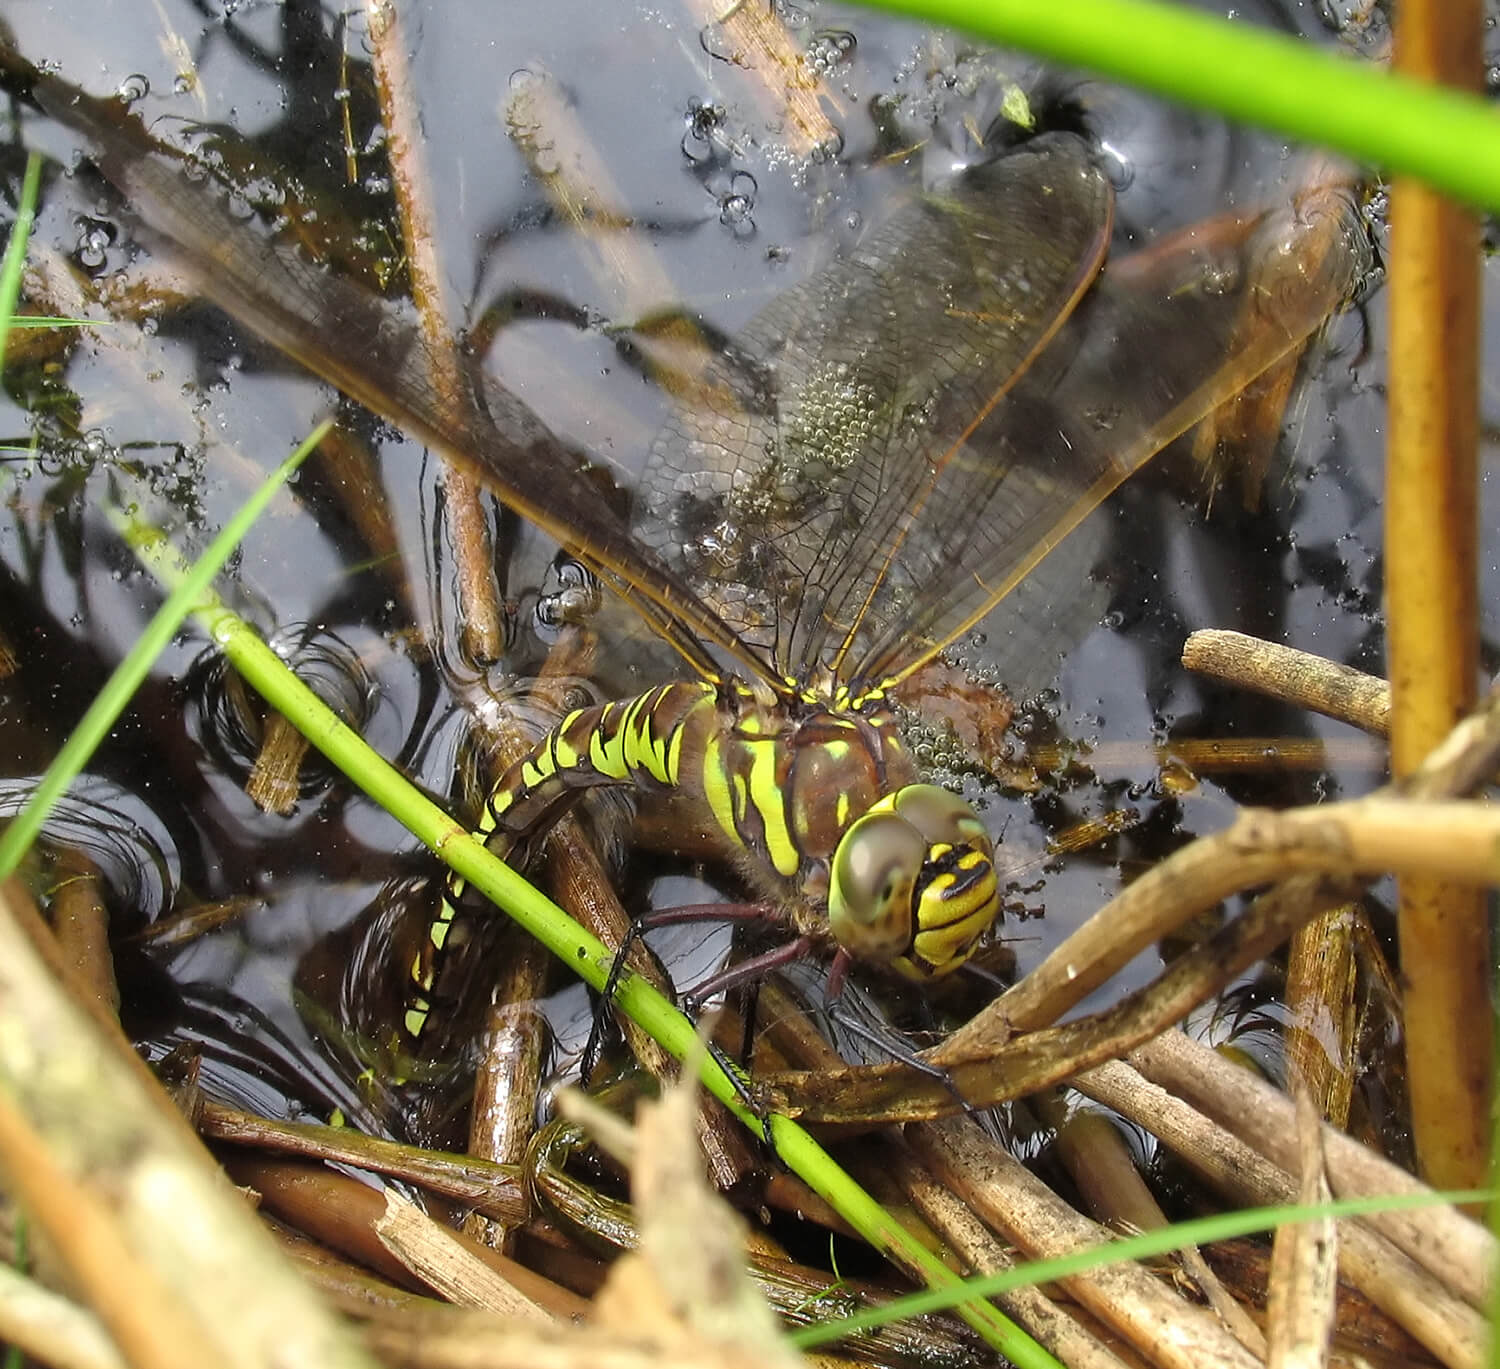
[1167,335]
[375,353]
[789,484]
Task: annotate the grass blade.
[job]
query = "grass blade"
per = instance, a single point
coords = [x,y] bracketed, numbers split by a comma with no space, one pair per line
[1448,138]
[127,676]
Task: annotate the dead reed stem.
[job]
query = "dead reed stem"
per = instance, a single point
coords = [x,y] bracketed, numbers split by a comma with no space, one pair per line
[1431,585]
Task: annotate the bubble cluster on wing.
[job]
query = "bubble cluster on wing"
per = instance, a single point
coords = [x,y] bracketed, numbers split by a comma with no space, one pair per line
[818,480]
[903,439]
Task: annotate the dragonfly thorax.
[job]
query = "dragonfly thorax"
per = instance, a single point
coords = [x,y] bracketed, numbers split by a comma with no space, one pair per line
[822,804]
[819,804]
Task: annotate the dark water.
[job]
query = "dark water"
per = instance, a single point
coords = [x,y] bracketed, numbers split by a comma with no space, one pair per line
[192,410]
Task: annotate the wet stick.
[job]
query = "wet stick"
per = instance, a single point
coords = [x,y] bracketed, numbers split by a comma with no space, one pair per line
[1295,677]
[488,1187]
[1321,1030]
[508,1079]
[1410,1294]
[1460,1252]
[985,1253]
[1115,1193]
[1145,1311]
[785,84]
[478,594]
[112,1180]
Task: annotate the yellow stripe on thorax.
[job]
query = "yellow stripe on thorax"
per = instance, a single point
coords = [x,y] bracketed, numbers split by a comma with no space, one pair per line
[770,803]
[716,789]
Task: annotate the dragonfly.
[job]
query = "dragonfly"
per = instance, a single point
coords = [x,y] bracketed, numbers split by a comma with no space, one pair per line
[854,481]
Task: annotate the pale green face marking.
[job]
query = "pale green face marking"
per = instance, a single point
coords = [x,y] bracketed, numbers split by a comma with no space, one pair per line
[437,933]
[421,975]
[416,1017]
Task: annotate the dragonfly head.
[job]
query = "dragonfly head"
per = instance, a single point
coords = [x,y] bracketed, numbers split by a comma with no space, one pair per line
[913,883]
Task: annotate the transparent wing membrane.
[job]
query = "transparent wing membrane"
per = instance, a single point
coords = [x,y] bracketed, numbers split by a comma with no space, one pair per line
[883,453]
[808,484]
[374,352]
[1165,337]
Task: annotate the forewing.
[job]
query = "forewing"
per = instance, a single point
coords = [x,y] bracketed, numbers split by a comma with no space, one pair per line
[376,354]
[817,471]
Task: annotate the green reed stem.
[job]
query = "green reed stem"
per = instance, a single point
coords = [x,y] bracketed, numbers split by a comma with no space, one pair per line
[128,675]
[1448,138]
[584,953]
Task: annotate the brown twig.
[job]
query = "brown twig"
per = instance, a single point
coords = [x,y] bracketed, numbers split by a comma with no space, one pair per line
[1295,677]
[1172,1332]
[272,784]
[489,1188]
[1116,1193]
[348,1216]
[448,1263]
[80,922]
[112,1180]
[1400,1285]
[983,1253]
[1304,1262]
[48,1327]
[509,1079]
[1455,1248]
[478,595]
[789,91]
[1321,1036]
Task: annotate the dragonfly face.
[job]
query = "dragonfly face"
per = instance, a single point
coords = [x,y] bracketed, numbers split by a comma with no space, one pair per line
[914,883]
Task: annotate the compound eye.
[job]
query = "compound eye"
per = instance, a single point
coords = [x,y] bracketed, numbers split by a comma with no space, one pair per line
[942,818]
[871,895]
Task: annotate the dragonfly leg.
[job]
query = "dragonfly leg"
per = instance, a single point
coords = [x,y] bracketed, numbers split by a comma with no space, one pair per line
[903,1055]
[732,1070]
[746,971]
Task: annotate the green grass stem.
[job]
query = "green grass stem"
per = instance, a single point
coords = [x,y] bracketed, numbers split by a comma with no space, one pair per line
[15,250]
[1222,1226]
[1448,138]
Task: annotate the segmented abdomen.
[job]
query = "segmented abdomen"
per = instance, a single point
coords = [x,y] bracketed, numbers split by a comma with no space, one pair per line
[640,741]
